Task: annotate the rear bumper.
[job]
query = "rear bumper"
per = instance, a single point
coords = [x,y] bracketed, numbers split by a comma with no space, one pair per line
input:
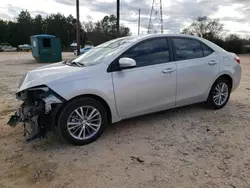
[237,77]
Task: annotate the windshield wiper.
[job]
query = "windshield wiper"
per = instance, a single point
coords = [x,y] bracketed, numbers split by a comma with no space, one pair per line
[77,63]
[71,62]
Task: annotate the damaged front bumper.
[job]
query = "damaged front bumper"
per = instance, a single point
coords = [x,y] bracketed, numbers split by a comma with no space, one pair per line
[38,111]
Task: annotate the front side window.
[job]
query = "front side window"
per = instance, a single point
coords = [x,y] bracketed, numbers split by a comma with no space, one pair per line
[150,52]
[186,48]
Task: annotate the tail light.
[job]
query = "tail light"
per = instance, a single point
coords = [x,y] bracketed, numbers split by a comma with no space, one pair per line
[237,59]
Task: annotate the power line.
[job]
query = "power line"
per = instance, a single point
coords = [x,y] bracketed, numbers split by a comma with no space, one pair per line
[125,4]
[127,12]
[141,15]
[139,22]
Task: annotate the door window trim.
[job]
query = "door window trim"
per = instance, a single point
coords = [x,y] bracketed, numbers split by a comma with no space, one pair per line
[113,65]
[188,38]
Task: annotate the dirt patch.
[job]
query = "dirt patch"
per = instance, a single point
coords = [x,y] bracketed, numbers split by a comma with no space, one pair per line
[6,110]
[186,147]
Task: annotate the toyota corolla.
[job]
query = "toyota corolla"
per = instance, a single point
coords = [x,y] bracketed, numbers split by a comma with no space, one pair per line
[123,78]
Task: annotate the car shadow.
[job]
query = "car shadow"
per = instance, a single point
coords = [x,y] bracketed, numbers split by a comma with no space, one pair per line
[142,121]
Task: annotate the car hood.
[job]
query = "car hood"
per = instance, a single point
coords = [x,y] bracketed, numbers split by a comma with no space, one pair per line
[53,74]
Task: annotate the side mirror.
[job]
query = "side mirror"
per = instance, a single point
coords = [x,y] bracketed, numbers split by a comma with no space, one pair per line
[127,62]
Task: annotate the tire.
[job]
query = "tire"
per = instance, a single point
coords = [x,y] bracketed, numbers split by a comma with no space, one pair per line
[71,124]
[213,101]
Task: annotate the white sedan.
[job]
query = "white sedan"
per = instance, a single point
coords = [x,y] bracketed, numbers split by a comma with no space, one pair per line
[123,78]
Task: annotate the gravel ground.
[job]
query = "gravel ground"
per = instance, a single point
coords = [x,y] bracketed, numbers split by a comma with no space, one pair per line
[185,147]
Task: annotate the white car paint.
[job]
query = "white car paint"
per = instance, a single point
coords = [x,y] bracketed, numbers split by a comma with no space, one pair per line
[140,90]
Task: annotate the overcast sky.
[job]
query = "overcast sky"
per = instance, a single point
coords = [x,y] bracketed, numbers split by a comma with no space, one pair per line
[234,14]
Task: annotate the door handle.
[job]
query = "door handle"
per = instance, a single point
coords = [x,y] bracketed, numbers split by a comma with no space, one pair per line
[213,62]
[168,70]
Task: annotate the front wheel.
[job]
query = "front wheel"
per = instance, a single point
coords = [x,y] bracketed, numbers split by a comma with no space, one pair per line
[219,94]
[82,121]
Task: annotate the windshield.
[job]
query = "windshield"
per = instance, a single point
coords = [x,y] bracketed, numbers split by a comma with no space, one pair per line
[102,52]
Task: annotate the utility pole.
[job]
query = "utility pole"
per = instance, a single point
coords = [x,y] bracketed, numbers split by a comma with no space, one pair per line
[161,16]
[139,22]
[77,28]
[118,19]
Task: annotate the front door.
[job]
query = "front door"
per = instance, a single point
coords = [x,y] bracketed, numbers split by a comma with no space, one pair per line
[151,85]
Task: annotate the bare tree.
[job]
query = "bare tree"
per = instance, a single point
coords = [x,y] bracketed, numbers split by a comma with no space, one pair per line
[88,26]
[205,27]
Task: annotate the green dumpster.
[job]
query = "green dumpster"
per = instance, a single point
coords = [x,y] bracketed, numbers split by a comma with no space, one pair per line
[46,48]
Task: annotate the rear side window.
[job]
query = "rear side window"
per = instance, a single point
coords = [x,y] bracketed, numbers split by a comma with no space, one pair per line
[206,50]
[187,49]
[150,52]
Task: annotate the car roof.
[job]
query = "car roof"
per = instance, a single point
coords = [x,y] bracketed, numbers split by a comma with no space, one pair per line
[137,38]
[160,35]
[148,36]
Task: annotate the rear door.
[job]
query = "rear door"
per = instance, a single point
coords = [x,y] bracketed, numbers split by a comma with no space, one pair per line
[197,67]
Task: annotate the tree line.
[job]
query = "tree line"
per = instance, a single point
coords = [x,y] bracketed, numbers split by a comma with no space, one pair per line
[18,32]
[213,30]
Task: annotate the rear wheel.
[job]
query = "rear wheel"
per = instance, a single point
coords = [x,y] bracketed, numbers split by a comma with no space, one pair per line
[82,121]
[219,94]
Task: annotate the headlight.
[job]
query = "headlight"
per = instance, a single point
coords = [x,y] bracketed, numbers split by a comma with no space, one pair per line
[21,81]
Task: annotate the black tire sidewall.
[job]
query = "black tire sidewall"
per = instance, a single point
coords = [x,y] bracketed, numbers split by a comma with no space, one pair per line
[211,102]
[66,112]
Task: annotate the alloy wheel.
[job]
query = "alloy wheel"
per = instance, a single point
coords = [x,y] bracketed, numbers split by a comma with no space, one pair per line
[220,94]
[84,122]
